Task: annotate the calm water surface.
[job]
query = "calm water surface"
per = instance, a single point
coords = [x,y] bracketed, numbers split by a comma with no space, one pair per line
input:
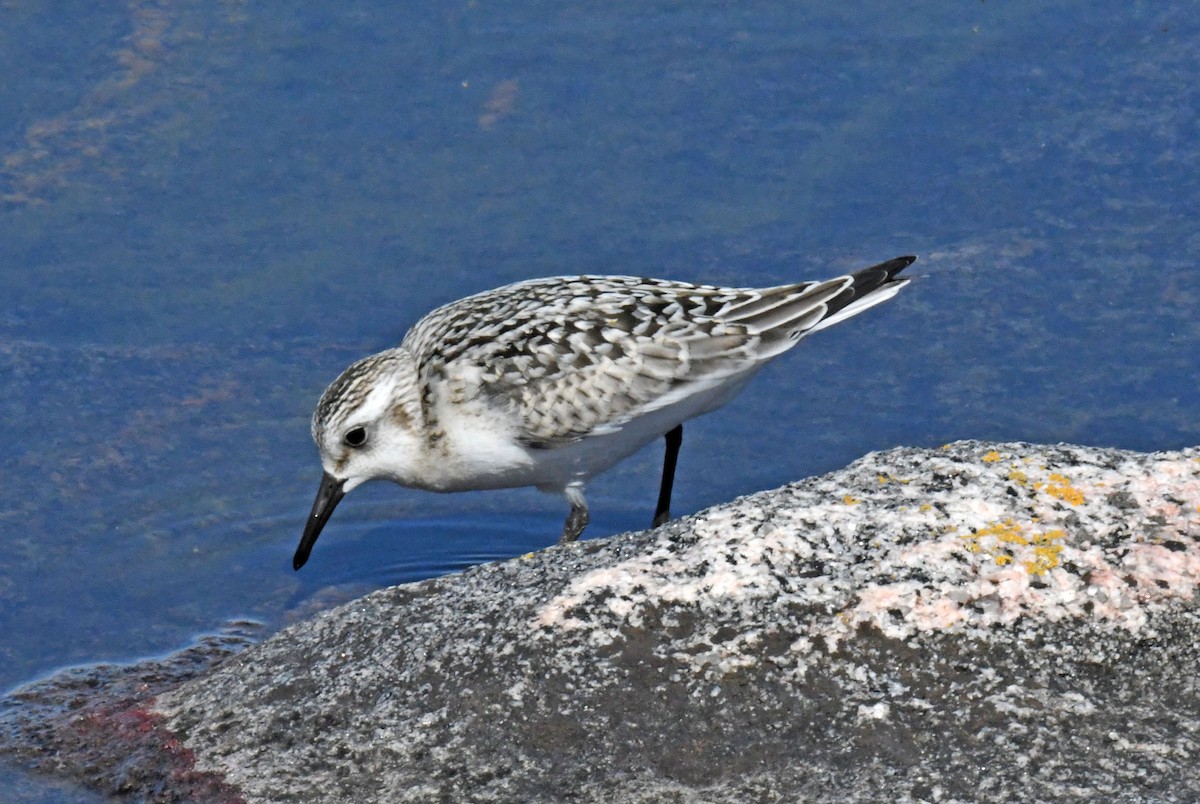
[209,209]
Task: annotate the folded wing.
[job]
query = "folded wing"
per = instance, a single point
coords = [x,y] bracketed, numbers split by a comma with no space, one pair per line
[580,356]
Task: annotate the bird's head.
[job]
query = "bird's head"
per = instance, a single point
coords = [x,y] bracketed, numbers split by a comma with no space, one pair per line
[365,428]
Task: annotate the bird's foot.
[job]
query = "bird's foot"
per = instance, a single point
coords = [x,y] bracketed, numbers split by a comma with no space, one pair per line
[577,520]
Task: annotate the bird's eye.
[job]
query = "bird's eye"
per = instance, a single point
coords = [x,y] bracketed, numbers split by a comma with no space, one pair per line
[356,436]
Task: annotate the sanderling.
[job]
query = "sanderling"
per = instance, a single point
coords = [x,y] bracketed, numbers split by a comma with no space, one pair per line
[549,382]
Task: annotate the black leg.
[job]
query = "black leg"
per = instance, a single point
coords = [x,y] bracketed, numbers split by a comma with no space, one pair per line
[578,518]
[673,438]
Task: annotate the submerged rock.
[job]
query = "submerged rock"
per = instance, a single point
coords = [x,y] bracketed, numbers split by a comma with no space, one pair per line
[979,621]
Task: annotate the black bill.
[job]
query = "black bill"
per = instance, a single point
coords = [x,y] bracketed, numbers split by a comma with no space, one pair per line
[328,496]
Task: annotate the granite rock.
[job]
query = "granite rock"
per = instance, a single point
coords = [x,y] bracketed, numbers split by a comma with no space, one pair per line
[980,621]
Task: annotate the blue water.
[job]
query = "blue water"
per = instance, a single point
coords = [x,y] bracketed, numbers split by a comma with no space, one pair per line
[208,209]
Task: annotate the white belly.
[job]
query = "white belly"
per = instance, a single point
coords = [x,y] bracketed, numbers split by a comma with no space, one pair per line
[483,452]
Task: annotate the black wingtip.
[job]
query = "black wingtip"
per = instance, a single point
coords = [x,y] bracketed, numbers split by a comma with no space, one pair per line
[878,276]
[896,265]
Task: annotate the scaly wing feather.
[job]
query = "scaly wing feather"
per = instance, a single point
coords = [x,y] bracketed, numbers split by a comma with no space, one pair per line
[570,357]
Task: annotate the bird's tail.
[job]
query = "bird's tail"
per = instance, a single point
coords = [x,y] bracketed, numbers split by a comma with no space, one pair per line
[867,288]
[782,315]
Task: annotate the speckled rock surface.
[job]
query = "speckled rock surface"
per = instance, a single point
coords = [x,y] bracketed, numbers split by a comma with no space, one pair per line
[981,621]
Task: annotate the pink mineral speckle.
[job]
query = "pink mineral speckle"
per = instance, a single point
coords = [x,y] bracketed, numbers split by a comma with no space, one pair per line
[1164,572]
[1076,541]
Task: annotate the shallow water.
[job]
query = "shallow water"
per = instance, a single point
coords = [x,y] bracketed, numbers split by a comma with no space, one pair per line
[210,209]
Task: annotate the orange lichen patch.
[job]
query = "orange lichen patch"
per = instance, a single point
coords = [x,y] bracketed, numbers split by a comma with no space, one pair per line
[850,499]
[882,478]
[1018,477]
[1046,550]
[927,507]
[1006,531]
[991,457]
[1061,488]
[1007,541]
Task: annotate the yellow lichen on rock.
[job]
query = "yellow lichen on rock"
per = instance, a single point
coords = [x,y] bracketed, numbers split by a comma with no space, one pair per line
[1003,542]
[1046,548]
[1060,487]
